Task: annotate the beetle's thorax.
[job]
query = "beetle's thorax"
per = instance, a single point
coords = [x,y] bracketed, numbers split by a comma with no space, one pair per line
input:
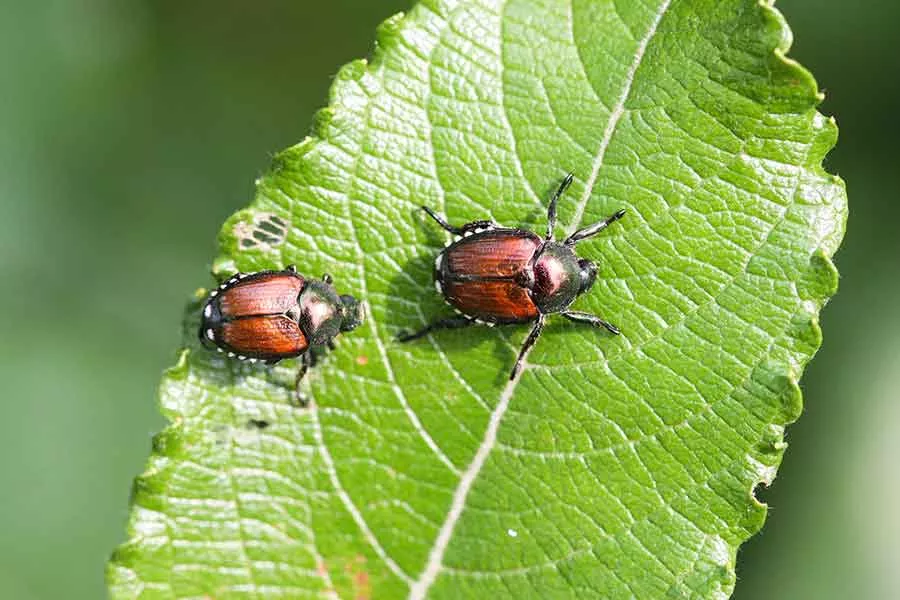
[557,278]
[321,311]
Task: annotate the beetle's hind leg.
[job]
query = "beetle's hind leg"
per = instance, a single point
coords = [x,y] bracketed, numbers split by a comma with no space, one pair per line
[462,230]
[583,317]
[448,323]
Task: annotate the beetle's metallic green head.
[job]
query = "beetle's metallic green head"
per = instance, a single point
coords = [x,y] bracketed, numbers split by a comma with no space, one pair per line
[354,313]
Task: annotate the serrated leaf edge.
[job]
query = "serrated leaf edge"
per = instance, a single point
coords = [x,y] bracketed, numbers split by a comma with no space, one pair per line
[153,479]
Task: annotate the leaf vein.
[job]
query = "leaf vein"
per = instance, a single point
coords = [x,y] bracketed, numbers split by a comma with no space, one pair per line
[615,116]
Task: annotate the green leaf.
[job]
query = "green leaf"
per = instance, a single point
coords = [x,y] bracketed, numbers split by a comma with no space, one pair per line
[615,467]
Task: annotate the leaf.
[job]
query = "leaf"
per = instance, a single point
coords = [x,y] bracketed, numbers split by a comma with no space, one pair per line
[612,467]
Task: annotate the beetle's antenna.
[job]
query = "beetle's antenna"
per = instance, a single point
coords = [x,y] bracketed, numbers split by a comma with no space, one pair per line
[592,230]
[551,210]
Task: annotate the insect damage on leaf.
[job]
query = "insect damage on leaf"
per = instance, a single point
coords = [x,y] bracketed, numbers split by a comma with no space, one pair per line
[612,467]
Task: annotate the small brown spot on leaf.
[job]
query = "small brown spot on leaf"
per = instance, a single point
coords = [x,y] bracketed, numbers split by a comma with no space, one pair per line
[362,586]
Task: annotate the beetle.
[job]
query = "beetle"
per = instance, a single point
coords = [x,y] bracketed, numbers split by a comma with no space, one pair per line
[499,275]
[272,315]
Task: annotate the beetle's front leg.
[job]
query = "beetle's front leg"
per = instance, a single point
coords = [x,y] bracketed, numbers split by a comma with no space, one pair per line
[526,346]
[583,317]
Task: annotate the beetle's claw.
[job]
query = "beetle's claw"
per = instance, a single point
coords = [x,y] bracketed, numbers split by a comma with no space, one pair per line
[300,401]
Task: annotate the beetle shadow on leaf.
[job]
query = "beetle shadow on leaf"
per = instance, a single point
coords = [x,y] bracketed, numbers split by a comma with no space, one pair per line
[411,295]
[563,342]
[534,220]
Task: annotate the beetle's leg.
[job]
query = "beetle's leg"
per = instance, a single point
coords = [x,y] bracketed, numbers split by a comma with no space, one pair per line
[551,210]
[306,361]
[448,323]
[440,221]
[529,342]
[458,230]
[582,317]
[592,230]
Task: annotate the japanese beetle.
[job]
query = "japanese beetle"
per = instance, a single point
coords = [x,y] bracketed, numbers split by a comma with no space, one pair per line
[272,315]
[499,275]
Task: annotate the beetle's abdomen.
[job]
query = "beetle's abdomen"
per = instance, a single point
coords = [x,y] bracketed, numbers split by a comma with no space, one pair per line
[491,253]
[254,316]
[265,293]
[496,301]
[486,275]
[272,336]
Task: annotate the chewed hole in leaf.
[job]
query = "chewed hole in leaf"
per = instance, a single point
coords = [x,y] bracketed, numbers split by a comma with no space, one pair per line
[613,467]
[760,491]
[265,231]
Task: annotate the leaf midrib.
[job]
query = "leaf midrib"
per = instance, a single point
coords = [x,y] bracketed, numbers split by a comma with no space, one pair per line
[435,557]
[419,587]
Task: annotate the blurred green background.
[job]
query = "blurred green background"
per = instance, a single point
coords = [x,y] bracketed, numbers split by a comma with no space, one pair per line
[129,130]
